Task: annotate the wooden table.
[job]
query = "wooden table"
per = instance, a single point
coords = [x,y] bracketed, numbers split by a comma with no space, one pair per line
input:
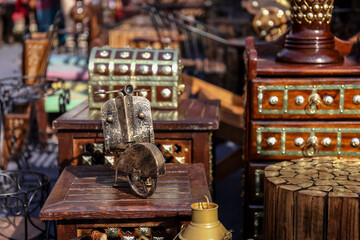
[312,198]
[84,198]
[183,135]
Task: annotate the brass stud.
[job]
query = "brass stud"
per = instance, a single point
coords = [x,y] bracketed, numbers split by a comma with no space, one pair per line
[167,56]
[144,69]
[166,92]
[109,119]
[101,68]
[166,70]
[104,53]
[124,54]
[146,55]
[141,115]
[123,68]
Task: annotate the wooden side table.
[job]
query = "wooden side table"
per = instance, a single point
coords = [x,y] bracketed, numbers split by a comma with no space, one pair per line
[183,135]
[84,199]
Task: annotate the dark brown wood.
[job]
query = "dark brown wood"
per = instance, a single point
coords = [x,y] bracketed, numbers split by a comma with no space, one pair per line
[192,124]
[317,206]
[264,71]
[84,198]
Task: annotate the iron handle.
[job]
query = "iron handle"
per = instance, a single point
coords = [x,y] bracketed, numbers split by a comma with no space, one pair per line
[312,146]
[314,104]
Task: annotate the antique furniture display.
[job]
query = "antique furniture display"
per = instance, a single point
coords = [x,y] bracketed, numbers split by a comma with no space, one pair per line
[183,135]
[129,135]
[158,71]
[22,194]
[296,110]
[312,198]
[84,200]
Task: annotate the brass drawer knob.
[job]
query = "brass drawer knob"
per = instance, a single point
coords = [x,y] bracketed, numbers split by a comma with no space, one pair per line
[299,142]
[273,100]
[356,99]
[326,142]
[355,142]
[271,141]
[299,100]
[328,100]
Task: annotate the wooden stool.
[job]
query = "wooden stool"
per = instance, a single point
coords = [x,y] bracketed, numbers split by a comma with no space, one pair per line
[312,198]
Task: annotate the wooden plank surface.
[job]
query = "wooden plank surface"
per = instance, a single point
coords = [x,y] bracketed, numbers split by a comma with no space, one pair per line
[86,192]
[192,114]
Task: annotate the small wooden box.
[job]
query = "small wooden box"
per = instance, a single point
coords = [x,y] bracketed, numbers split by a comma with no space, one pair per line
[157,71]
[84,199]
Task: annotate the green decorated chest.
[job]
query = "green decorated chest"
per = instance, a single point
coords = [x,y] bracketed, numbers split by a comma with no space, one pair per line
[155,72]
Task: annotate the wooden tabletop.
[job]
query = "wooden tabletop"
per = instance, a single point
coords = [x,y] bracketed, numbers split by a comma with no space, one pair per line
[192,114]
[86,192]
[265,54]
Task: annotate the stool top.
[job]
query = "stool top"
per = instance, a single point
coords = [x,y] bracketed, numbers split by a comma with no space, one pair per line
[87,192]
[319,176]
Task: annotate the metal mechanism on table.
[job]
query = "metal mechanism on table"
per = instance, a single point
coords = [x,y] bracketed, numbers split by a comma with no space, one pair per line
[128,133]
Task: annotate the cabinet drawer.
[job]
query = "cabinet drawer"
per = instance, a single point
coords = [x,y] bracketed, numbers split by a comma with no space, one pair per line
[288,140]
[255,183]
[303,99]
[254,222]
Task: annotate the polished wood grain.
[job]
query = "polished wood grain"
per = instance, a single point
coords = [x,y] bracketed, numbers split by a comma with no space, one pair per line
[84,198]
[312,198]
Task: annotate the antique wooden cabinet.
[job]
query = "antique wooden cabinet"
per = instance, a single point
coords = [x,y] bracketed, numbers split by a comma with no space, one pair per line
[295,111]
[183,135]
[84,200]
